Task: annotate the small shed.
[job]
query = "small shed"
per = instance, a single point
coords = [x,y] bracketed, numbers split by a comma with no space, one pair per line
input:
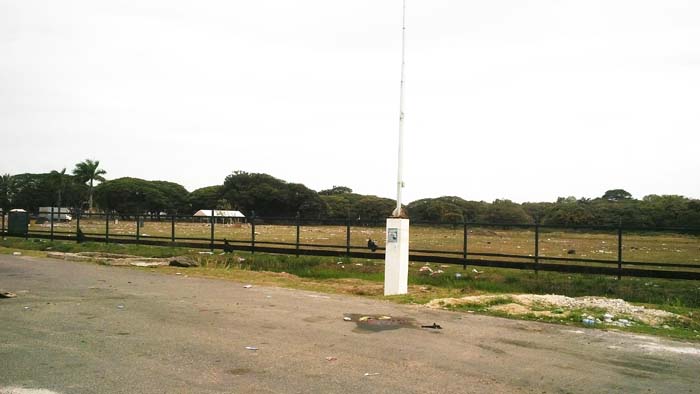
[221,215]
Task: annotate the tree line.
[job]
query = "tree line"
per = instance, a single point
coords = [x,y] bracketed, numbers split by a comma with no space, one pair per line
[267,196]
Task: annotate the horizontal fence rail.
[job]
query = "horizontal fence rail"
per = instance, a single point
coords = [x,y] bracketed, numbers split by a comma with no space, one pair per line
[347,238]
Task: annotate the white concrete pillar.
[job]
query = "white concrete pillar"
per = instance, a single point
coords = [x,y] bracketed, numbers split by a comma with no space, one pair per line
[396,260]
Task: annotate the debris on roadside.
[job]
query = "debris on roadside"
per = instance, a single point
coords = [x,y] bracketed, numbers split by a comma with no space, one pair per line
[433,326]
[247,286]
[331,358]
[253,348]
[347,318]
[16,253]
[7,294]
[183,262]
[371,373]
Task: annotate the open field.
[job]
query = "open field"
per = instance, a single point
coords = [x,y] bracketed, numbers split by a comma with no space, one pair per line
[661,247]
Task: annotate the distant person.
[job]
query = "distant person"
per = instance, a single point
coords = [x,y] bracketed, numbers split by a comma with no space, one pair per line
[371,245]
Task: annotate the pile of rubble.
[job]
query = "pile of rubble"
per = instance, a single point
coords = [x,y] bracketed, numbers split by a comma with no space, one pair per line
[617,312]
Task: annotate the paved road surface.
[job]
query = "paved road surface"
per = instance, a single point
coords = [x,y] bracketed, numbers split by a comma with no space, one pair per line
[83,328]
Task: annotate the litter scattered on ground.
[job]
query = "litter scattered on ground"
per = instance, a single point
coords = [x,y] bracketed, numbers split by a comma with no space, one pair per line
[247,286]
[371,373]
[120,306]
[474,270]
[331,358]
[433,326]
[251,348]
[614,312]
[26,308]
[458,275]
[347,318]
[7,294]
[16,253]
[206,252]
[178,273]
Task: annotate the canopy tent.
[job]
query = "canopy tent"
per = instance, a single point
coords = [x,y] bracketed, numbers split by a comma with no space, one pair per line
[228,216]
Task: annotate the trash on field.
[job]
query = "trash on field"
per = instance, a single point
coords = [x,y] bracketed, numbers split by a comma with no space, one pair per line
[120,306]
[206,253]
[425,268]
[16,253]
[331,358]
[178,273]
[7,294]
[247,286]
[371,373]
[458,275]
[251,348]
[346,318]
[359,264]
[588,321]
[339,263]
[434,326]
[26,308]
[474,270]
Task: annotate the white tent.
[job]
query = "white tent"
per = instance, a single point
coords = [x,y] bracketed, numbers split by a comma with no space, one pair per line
[230,216]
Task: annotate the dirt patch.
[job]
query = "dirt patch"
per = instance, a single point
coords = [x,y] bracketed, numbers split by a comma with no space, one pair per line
[558,305]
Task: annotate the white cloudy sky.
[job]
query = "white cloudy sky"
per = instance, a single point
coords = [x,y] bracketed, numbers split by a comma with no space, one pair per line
[527,100]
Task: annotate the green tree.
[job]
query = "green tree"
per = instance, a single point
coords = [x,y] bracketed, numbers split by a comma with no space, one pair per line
[269,196]
[207,198]
[134,195]
[6,192]
[617,195]
[88,171]
[335,190]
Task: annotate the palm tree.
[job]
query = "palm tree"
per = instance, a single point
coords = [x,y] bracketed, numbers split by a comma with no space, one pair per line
[88,171]
[57,178]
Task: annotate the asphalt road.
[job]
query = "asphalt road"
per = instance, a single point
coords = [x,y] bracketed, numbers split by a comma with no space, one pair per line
[84,328]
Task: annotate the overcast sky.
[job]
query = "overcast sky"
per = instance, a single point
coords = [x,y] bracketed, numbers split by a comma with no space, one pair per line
[526,100]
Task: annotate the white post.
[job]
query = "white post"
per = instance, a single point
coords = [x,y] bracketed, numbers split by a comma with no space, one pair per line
[397,226]
[396,260]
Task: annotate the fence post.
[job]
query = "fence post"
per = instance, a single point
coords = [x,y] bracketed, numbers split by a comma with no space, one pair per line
[537,246]
[26,231]
[252,233]
[107,227]
[347,237]
[138,227]
[211,242]
[464,247]
[298,226]
[619,250]
[172,228]
[52,221]
[77,224]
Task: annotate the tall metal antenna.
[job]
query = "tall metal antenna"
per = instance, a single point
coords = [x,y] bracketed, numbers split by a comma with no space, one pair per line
[399,184]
